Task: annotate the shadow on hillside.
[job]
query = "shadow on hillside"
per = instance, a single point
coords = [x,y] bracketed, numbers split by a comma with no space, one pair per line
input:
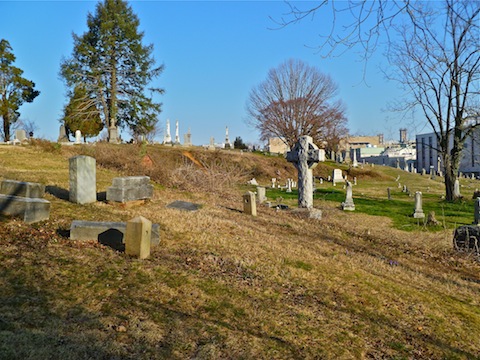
[58,192]
[21,337]
[64,194]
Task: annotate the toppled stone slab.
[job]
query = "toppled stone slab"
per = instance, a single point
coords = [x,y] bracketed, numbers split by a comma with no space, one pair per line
[22,188]
[184,205]
[467,238]
[31,209]
[105,231]
[130,188]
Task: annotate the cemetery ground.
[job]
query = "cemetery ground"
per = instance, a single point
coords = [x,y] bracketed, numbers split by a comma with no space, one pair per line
[374,283]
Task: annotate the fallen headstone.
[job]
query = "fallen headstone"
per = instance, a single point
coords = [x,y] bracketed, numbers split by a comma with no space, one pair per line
[31,209]
[184,205]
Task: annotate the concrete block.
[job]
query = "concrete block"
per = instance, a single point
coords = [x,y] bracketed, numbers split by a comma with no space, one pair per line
[31,209]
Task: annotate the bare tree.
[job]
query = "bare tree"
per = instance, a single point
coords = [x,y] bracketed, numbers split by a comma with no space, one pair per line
[297,99]
[434,48]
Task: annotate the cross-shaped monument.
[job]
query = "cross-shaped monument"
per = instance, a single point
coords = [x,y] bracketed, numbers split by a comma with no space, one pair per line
[305,155]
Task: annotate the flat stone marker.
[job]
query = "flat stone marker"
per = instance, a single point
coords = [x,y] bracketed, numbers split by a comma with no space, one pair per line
[83,180]
[106,232]
[137,237]
[418,214]
[31,209]
[348,205]
[184,205]
[305,156]
[130,188]
[22,188]
[249,204]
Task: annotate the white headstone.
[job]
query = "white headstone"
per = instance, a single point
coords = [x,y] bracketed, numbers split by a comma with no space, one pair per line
[456,189]
[78,137]
[83,182]
[337,176]
[177,136]
[20,135]
[167,139]
[348,205]
[418,214]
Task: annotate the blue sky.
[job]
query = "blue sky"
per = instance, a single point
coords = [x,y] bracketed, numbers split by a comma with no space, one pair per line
[214,53]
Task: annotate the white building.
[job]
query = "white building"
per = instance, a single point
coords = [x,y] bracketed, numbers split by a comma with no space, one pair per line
[428,157]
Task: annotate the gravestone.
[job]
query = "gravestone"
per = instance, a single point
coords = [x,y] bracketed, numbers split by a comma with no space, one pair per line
[424,172]
[187,139]
[289,186]
[31,209]
[184,205]
[354,180]
[261,197]
[130,188]
[337,176]
[211,145]
[113,135]
[355,162]
[418,214]
[167,138]
[62,134]
[304,156]
[456,189]
[20,135]
[106,232]
[23,189]
[389,195]
[348,205]
[249,204]
[467,238]
[78,137]
[83,182]
[137,237]
[476,214]
[274,182]
[177,136]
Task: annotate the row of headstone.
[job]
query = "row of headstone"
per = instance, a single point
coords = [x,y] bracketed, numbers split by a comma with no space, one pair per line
[83,184]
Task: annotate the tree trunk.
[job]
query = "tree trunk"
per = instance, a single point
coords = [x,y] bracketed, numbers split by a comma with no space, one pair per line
[6,126]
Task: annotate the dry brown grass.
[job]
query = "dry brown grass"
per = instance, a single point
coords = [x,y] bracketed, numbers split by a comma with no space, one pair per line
[223,285]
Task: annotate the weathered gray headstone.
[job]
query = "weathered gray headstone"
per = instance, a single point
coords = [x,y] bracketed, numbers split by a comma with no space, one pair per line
[304,156]
[21,188]
[261,197]
[476,220]
[389,195]
[249,204]
[113,135]
[418,214]
[348,205]
[106,230]
[83,182]
[31,209]
[184,205]
[137,237]
[130,188]
[62,136]
[187,139]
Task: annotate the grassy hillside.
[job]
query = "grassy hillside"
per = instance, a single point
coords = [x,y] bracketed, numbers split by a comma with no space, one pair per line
[223,285]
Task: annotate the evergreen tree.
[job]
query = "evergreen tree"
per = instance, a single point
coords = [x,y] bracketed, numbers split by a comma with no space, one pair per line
[14,89]
[81,114]
[115,68]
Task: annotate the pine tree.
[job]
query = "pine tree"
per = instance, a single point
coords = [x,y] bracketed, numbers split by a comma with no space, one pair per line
[115,68]
[14,89]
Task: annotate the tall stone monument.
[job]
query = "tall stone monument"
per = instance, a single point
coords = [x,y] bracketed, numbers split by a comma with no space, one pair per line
[177,136]
[83,181]
[348,205]
[418,214]
[305,156]
[167,139]
[228,144]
